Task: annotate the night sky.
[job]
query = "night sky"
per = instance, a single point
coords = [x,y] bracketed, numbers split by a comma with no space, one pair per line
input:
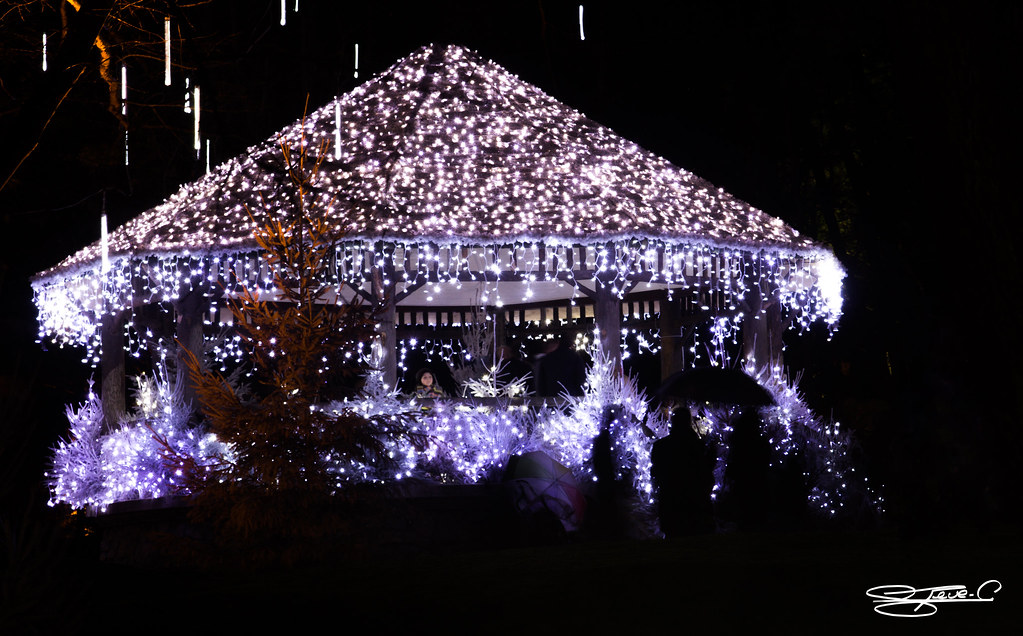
[888,131]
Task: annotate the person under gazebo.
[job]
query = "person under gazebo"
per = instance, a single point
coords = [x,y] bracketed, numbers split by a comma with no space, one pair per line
[426,386]
[560,370]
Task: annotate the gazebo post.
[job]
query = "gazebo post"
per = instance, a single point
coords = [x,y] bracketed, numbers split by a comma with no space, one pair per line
[607,316]
[382,280]
[500,336]
[112,369]
[670,323]
[762,328]
[188,328]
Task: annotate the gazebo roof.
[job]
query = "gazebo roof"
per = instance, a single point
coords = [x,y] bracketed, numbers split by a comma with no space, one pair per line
[460,173]
[447,146]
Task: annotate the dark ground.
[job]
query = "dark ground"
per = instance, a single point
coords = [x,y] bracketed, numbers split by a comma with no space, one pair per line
[801,583]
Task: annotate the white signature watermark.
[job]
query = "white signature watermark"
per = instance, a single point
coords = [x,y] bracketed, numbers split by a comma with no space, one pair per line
[906,601]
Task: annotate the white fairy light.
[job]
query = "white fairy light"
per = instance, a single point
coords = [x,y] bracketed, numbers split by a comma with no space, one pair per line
[284,12]
[356,60]
[582,35]
[188,95]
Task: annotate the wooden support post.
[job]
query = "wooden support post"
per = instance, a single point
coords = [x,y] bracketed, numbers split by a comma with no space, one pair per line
[762,328]
[607,316]
[384,293]
[670,325]
[188,328]
[112,370]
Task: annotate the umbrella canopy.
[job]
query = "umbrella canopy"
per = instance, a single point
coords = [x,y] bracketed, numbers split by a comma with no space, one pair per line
[541,483]
[714,384]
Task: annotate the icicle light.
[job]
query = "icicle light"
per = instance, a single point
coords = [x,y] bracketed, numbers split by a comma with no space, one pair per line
[44,53]
[582,34]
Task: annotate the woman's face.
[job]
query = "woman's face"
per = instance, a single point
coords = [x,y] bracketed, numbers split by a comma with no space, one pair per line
[427,379]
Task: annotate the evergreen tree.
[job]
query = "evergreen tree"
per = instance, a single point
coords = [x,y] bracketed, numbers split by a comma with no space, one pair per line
[283,490]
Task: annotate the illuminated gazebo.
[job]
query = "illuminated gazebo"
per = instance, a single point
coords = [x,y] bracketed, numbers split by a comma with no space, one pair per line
[459,185]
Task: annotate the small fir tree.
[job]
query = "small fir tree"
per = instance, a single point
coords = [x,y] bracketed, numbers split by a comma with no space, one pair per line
[283,482]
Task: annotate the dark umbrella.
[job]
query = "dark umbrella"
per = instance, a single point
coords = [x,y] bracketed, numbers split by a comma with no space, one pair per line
[714,384]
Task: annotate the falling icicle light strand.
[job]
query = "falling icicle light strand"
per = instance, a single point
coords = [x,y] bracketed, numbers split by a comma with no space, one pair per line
[166,52]
[356,60]
[124,89]
[582,35]
[44,53]
[104,238]
[197,139]
[124,108]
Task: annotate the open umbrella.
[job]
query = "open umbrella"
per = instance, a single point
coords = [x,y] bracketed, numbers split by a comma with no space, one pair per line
[714,384]
[541,483]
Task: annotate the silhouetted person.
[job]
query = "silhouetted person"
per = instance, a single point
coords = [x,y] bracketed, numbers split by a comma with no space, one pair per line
[560,370]
[748,493]
[512,368]
[682,471]
[790,491]
[605,518]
